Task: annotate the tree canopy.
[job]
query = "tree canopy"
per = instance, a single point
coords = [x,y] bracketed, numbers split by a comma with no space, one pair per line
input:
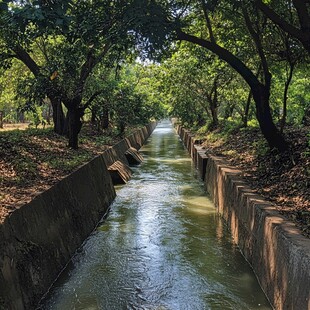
[203,61]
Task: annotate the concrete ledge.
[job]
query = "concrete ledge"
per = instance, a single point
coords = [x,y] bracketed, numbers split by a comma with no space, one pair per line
[133,156]
[120,173]
[117,152]
[38,240]
[126,154]
[275,248]
[200,159]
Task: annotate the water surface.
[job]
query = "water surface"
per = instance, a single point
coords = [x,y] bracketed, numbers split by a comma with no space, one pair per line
[162,245]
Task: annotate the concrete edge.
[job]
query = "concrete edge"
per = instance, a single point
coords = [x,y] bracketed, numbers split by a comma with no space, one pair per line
[38,239]
[278,253]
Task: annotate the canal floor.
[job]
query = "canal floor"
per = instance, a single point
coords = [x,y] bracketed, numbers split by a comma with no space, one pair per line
[162,246]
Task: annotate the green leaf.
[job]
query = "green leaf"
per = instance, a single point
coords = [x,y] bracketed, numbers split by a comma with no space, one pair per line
[3,6]
[59,22]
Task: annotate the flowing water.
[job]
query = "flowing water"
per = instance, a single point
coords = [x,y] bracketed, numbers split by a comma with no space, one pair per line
[162,245]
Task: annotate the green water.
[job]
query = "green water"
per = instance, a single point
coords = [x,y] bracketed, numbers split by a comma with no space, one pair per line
[162,246]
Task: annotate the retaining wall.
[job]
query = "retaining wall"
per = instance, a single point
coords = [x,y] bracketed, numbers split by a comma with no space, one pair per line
[38,240]
[275,248]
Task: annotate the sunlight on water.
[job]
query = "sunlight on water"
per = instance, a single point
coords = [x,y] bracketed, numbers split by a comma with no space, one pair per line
[161,247]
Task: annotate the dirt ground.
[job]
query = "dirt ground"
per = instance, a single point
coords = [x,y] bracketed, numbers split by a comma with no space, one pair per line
[32,160]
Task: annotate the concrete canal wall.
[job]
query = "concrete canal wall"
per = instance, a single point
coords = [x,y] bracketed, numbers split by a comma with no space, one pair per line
[38,240]
[278,253]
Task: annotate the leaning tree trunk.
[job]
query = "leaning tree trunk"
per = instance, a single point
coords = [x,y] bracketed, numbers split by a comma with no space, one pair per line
[215,122]
[263,113]
[74,126]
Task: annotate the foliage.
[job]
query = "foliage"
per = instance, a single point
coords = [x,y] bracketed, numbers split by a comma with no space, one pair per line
[126,98]
[61,46]
[198,86]
[252,44]
[53,50]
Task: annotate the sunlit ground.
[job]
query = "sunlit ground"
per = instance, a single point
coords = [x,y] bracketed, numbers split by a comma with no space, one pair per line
[20,126]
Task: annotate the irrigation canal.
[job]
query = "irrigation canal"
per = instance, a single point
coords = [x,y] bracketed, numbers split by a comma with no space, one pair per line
[161,247]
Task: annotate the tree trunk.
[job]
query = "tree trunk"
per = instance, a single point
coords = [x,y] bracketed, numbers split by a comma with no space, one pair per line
[248,102]
[212,98]
[264,117]
[215,122]
[74,126]
[214,106]
[105,119]
[246,110]
[285,97]
[1,119]
[58,116]
[93,118]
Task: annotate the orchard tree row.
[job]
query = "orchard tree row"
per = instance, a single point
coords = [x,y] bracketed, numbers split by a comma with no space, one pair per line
[72,55]
[241,56]
[206,60]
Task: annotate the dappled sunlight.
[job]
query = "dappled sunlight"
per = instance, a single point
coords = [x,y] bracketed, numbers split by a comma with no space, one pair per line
[198,204]
[234,224]
[173,161]
[199,209]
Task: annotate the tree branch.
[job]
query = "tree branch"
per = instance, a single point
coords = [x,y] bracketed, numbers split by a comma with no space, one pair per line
[303,35]
[205,11]
[259,46]
[23,56]
[88,67]
[303,16]
[277,19]
[223,54]
[92,98]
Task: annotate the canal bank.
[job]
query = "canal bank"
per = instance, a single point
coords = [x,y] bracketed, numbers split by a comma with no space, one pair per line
[38,239]
[162,246]
[278,253]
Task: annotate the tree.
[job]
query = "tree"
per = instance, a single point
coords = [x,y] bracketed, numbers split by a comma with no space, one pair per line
[285,54]
[71,43]
[212,21]
[260,89]
[21,28]
[196,82]
[126,99]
